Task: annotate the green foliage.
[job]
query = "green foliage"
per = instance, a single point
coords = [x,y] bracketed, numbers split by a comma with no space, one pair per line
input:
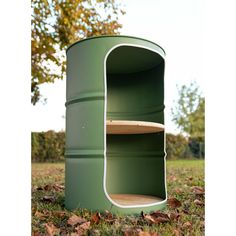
[189,112]
[47,146]
[197,147]
[58,23]
[50,146]
[176,147]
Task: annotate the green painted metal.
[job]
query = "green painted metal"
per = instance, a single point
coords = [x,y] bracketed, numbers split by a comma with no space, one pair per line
[118,78]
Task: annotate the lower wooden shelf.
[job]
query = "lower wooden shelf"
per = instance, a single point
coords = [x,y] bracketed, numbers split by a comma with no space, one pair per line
[134,199]
[132,127]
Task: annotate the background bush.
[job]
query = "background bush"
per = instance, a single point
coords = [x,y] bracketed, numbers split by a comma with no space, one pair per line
[47,146]
[50,146]
[176,147]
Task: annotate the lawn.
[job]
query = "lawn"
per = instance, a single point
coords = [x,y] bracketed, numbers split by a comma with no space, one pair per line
[183,216]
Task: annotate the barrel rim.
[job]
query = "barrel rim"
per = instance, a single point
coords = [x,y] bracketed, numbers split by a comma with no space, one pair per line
[114,36]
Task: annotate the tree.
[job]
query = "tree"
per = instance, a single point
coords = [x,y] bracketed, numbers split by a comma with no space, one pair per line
[58,23]
[189,112]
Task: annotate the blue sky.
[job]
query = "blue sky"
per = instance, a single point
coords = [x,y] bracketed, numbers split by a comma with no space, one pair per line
[177,26]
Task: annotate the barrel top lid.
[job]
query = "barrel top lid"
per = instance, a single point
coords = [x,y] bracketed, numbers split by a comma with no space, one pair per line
[113,36]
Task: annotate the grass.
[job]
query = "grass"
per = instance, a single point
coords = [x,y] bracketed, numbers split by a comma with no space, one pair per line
[185,178]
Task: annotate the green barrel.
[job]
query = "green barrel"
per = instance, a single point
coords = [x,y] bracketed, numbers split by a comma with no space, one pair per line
[115,140]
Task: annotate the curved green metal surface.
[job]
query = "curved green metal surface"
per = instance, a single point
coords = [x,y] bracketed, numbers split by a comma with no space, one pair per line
[113,77]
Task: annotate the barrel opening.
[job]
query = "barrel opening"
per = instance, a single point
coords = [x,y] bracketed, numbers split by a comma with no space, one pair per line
[135,162]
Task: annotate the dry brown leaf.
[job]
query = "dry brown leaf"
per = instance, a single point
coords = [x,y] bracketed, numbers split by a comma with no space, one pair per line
[197,190]
[51,229]
[173,178]
[198,202]
[174,216]
[156,217]
[48,199]
[39,188]
[131,231]
[202,225]
[47,187]
[59,213]
[82,229]
[39,215]
[46,212]
[178,190]
[143,233]
[186,211]
[74,220]
[35,233]
[160,217]
[56,187]
[108,215]
[176,232]
[109,218]
[95,218]
[187,225]
[173,202]
[149,219]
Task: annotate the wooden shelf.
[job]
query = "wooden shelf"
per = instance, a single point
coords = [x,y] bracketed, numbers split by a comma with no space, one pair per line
[134,199]
[132,127]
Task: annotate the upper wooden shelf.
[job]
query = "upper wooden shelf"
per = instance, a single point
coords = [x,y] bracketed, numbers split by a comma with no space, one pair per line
[132,127]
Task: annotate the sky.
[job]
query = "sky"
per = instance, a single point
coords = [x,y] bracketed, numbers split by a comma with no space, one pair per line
[177,26]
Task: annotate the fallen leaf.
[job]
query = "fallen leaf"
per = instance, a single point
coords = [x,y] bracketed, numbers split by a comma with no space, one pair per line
[131,231]
[56,187]
[174,216]
[39,188]
[178,190]
[39,215]
[47,187]
[46,212]
[128,233]
[95,218]
[48,199]
[82,229]
[149,218]
[156,217]
[173,178]
[202,225]
[109,218]
[108,215]
[197,190]
[59,213]
[144,233]
[187,225]
[198,202]
[186,211]
[36,233]
[173,202]
[51,229]
[176,232]
[74,220]
[160,217]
